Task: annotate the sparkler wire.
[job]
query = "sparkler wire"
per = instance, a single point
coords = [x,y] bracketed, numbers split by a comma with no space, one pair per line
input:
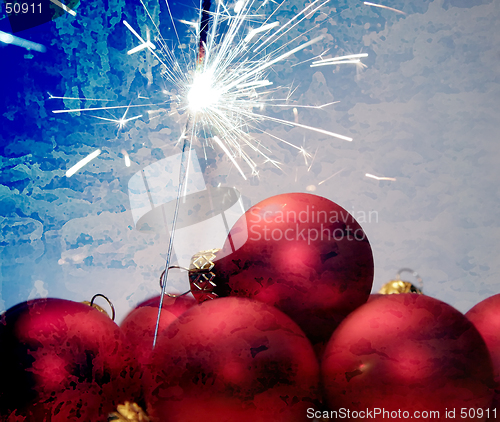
[182,181]
[186,152]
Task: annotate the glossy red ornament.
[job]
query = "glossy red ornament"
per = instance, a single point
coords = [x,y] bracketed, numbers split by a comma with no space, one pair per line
[486,318]
[139,325]
[62,361]
[231,359]
[303,254]
[407,353]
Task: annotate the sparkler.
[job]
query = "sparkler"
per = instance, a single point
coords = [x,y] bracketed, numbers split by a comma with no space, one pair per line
[221,94]
[183,169]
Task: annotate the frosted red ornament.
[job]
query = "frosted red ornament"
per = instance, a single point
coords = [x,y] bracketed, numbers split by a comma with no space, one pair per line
[299,252]
[62,360]
[407,353]
[486,318]
[231,359]
[139,325]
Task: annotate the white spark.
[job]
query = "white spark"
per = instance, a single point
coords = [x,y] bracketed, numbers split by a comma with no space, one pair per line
[269,63]
[134,32]
[140,48]
[124,121]
[126,157]
[75,110]
[82,163]
[312,161]
[329,177]
[305,154]
[351,58]
[189,23]
[371,176]
[338,62]
[7,38]
[311,59]
[121,122]
[64,7]
[53,97]
[320,107]
[256,31]
[255,84]
[384,7]
[219,142]
[311,128]
[144,44]
[274,38]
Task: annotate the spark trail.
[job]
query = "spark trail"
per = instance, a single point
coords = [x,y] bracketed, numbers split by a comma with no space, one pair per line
[183,172]
[351,58]
[392,9]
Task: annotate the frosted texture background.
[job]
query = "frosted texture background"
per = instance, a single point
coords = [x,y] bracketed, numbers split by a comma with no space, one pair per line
[425,111]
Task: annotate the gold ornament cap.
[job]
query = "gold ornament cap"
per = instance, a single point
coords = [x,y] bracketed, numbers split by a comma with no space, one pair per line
[201,275]
[398,286]
[129,412]
[100,309]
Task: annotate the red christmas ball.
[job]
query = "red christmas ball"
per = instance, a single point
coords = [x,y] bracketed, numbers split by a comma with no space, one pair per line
[486,318]
[303,254]
[62,360]
[231,359]
[403,354]
[139,325]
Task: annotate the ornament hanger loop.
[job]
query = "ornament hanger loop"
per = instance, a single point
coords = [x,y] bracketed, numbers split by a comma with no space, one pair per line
[414,274]
[107,300]
[162,276]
